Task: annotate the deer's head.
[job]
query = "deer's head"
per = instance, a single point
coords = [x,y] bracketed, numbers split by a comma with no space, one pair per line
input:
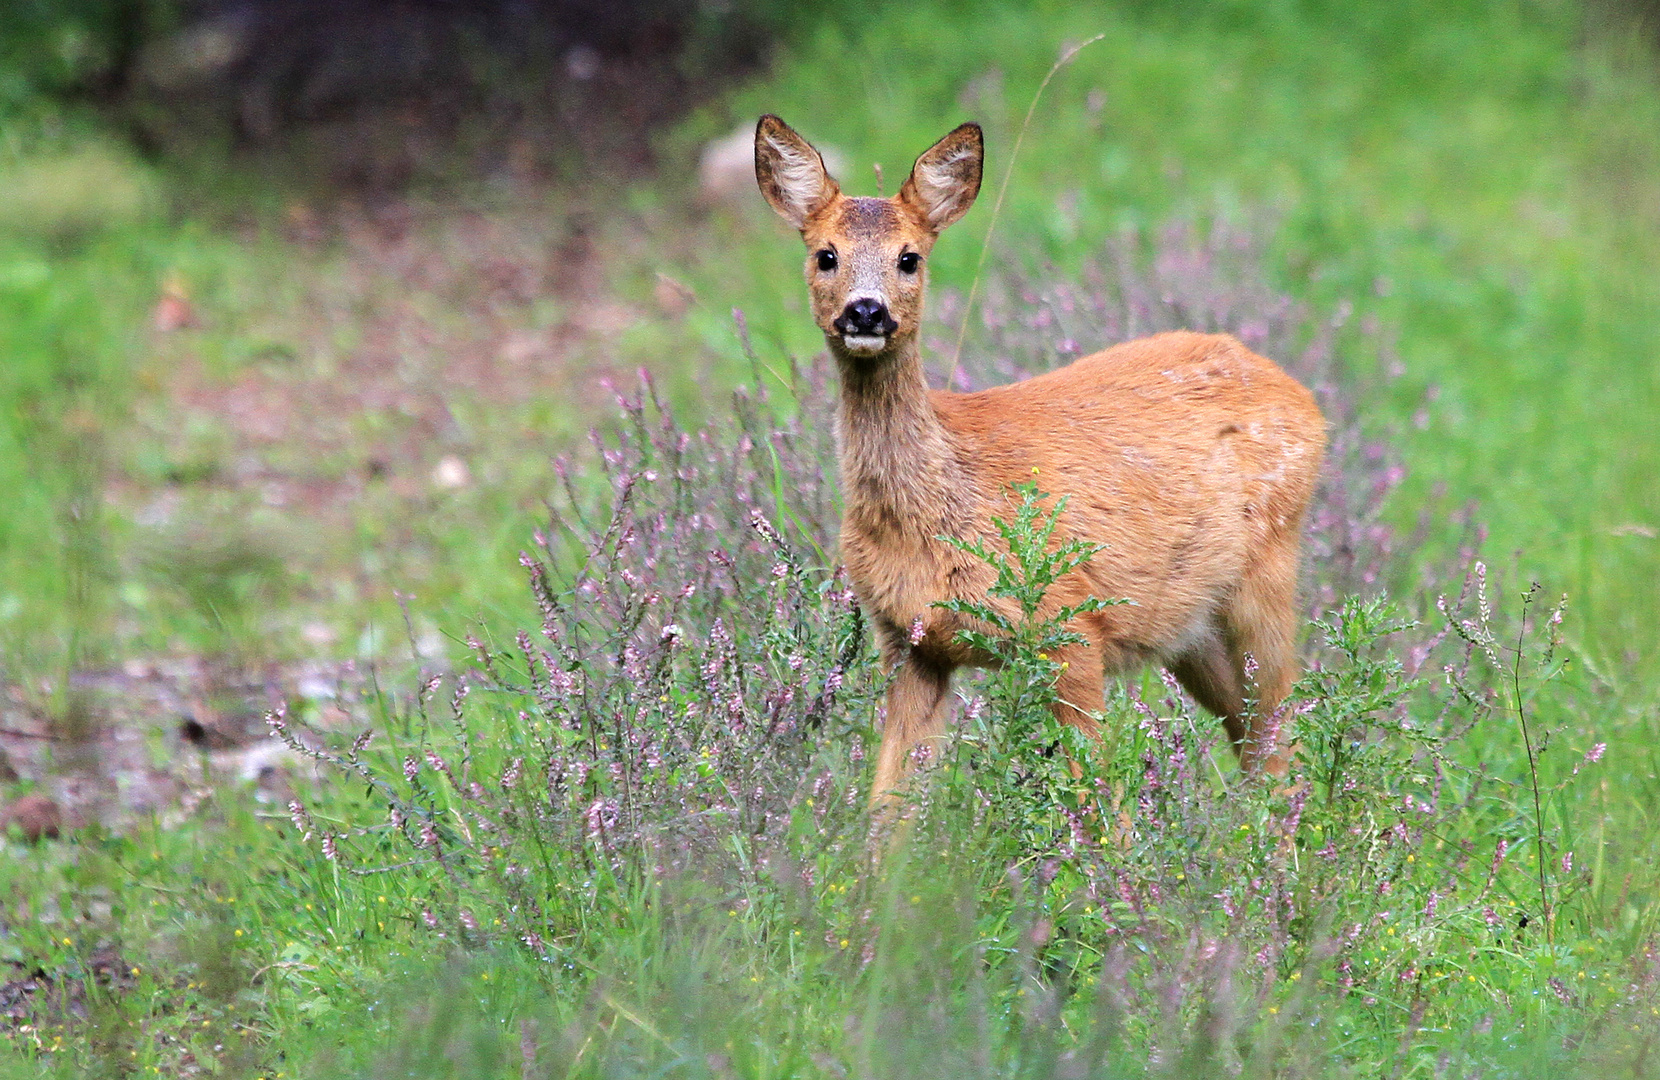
[867,257]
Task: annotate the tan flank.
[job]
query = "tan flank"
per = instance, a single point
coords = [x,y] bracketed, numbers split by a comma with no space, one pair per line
[1189,457]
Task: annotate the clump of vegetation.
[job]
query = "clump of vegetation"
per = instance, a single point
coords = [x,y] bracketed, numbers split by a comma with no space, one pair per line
[697,674]
[77,192]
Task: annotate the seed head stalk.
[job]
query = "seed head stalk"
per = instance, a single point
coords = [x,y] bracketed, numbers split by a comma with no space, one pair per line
[997,207]
[1532,764]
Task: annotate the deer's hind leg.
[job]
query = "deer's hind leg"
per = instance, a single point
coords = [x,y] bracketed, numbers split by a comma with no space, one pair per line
[1243,666]
[1241,671]
[1209,672]
[1262,629]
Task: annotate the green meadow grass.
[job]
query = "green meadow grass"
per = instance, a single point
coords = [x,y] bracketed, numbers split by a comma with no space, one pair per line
[1483,179]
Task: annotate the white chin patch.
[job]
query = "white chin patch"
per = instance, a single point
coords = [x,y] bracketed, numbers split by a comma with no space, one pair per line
[864,344]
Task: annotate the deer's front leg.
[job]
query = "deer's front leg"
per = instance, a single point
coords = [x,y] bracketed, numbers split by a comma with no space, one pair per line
[916,712]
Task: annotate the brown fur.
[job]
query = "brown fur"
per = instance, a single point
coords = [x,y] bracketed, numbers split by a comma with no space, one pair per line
[1190,458]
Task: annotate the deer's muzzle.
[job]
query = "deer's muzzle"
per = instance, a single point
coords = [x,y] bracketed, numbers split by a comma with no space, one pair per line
[865,317]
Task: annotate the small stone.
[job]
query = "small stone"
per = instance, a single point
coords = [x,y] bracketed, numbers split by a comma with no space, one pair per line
[726,167]
[522,347]
[174,310]
[673,297]
[320,634]
[451,473]
[582,63]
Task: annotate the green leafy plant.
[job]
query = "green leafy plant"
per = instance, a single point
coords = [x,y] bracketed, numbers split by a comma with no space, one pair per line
[1023,643]
[1352,740]
[1015,741]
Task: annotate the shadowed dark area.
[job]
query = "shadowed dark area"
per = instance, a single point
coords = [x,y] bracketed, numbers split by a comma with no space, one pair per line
[373,95]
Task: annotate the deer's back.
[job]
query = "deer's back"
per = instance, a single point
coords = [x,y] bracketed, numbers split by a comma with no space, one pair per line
[1163,402]
[1186,454]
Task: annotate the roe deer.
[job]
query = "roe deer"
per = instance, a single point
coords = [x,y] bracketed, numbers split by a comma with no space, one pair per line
[1188,457]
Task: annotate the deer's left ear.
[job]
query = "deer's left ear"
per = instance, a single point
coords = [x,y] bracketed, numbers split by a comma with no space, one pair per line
[946,178]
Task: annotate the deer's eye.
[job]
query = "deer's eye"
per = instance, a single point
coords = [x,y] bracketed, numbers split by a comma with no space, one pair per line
[826,260]
[909,262]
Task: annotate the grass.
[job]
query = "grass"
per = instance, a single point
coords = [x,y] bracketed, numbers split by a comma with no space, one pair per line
[631,840]
[1470,184]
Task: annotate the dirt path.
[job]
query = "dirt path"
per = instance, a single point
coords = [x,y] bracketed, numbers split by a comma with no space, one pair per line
[358,406]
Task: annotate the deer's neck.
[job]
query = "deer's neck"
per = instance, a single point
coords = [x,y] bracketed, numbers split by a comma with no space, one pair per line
[898,471]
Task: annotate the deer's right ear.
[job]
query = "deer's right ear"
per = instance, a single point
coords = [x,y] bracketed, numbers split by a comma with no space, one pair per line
[790,172]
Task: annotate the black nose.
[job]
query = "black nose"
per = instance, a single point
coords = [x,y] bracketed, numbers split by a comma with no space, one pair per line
[866,317]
